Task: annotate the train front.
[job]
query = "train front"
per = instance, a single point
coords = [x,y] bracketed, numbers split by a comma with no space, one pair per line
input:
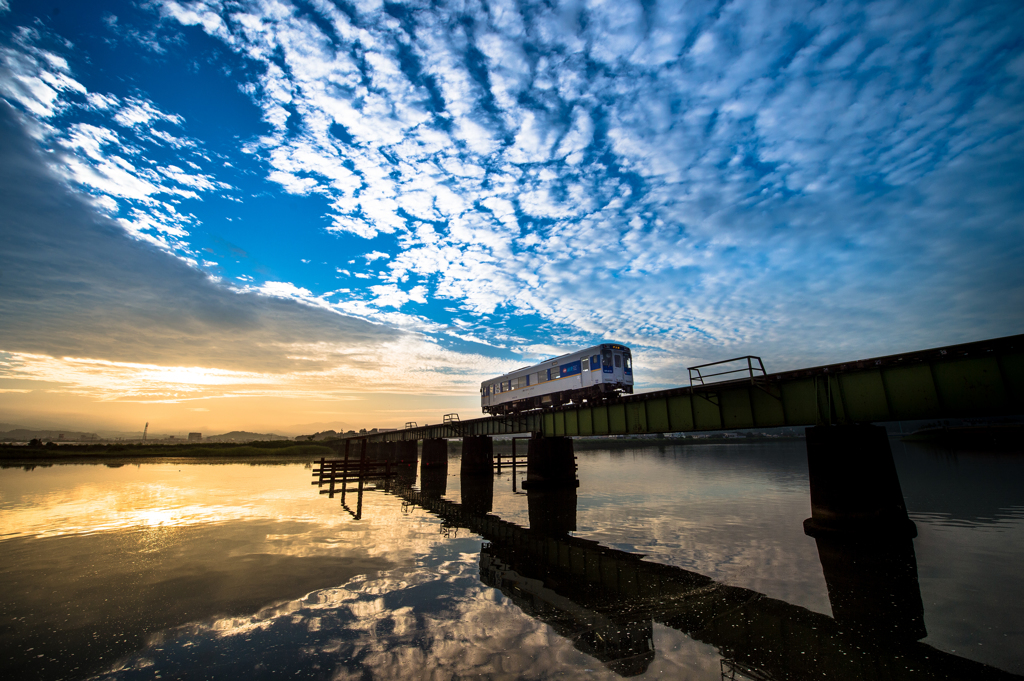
[616,369]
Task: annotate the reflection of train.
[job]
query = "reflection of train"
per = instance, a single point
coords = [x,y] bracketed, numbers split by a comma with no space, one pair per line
[591,374]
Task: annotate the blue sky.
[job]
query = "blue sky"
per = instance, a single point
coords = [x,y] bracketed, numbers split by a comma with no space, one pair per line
[439,193]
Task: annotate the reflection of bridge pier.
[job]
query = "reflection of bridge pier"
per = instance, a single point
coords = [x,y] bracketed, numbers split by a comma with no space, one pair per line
[872,584]
[605,601]
[552,510]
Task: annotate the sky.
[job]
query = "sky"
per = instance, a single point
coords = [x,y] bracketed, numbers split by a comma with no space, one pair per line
[287,216]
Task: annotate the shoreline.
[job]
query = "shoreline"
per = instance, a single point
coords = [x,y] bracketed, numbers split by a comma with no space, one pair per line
[12,456]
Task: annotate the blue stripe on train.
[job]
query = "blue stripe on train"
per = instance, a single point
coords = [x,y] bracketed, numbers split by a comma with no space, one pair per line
[569,369]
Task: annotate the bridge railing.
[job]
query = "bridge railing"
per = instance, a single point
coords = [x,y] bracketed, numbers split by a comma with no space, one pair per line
[698,377]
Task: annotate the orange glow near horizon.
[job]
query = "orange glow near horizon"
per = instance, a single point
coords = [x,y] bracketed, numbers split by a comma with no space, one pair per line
[385,390]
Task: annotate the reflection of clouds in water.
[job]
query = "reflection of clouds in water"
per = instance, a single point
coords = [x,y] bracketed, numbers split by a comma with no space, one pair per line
[74,500]
[423,623]
[733,515]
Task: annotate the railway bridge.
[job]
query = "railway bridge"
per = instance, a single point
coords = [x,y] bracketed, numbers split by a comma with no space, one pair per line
[854,486]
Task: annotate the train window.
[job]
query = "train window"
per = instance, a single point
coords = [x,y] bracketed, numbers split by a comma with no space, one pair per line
[585,363]
[629,362]
[595,362]
[618,361]
[606,358]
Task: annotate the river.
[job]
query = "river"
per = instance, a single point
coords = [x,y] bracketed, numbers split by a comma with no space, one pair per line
[193,571]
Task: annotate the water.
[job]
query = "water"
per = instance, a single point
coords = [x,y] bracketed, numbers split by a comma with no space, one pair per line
[174,570]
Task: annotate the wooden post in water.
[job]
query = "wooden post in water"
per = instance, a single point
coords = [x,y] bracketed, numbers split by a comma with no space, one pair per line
[344,471]
[514,464]
[362,476]
[332,476]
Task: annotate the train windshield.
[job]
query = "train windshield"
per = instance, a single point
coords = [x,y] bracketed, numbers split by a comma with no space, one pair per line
[606,357]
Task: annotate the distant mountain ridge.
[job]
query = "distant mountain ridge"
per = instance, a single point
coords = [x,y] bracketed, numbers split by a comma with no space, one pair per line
[244,436]
[10,432]
[26,434]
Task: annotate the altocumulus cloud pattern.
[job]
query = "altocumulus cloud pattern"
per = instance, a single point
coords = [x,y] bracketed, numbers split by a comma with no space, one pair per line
[504,179]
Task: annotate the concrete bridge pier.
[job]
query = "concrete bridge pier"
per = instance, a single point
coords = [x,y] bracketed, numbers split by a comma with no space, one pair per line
[373,451]
[477,456]
[406,458]
[407,451]
[434,468]
[550,462]
[435,452]
[854,486]
[477,473]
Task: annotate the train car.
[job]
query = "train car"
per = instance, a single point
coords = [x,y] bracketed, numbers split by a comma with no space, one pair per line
[590,375]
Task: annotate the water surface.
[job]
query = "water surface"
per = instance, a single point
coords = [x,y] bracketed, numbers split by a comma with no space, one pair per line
[227,571]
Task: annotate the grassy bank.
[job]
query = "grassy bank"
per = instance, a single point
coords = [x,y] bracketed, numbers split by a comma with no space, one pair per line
[135,452]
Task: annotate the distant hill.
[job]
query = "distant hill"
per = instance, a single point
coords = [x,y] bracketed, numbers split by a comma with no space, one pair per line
[244,436]
[46,428]
[26,434]
[321,426]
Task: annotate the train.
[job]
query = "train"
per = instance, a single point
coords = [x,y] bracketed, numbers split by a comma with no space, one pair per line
[590,375]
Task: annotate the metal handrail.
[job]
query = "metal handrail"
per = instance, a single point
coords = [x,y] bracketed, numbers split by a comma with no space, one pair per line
[749,369]
[451,418]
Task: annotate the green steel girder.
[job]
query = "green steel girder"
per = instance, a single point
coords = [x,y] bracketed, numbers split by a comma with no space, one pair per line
[979,379]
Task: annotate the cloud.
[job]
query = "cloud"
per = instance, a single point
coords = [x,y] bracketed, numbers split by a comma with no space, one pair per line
[804,183]
[109,164]
[101,315]
[698,166]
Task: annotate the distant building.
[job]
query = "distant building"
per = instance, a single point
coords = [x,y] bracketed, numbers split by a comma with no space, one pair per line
[195,437]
